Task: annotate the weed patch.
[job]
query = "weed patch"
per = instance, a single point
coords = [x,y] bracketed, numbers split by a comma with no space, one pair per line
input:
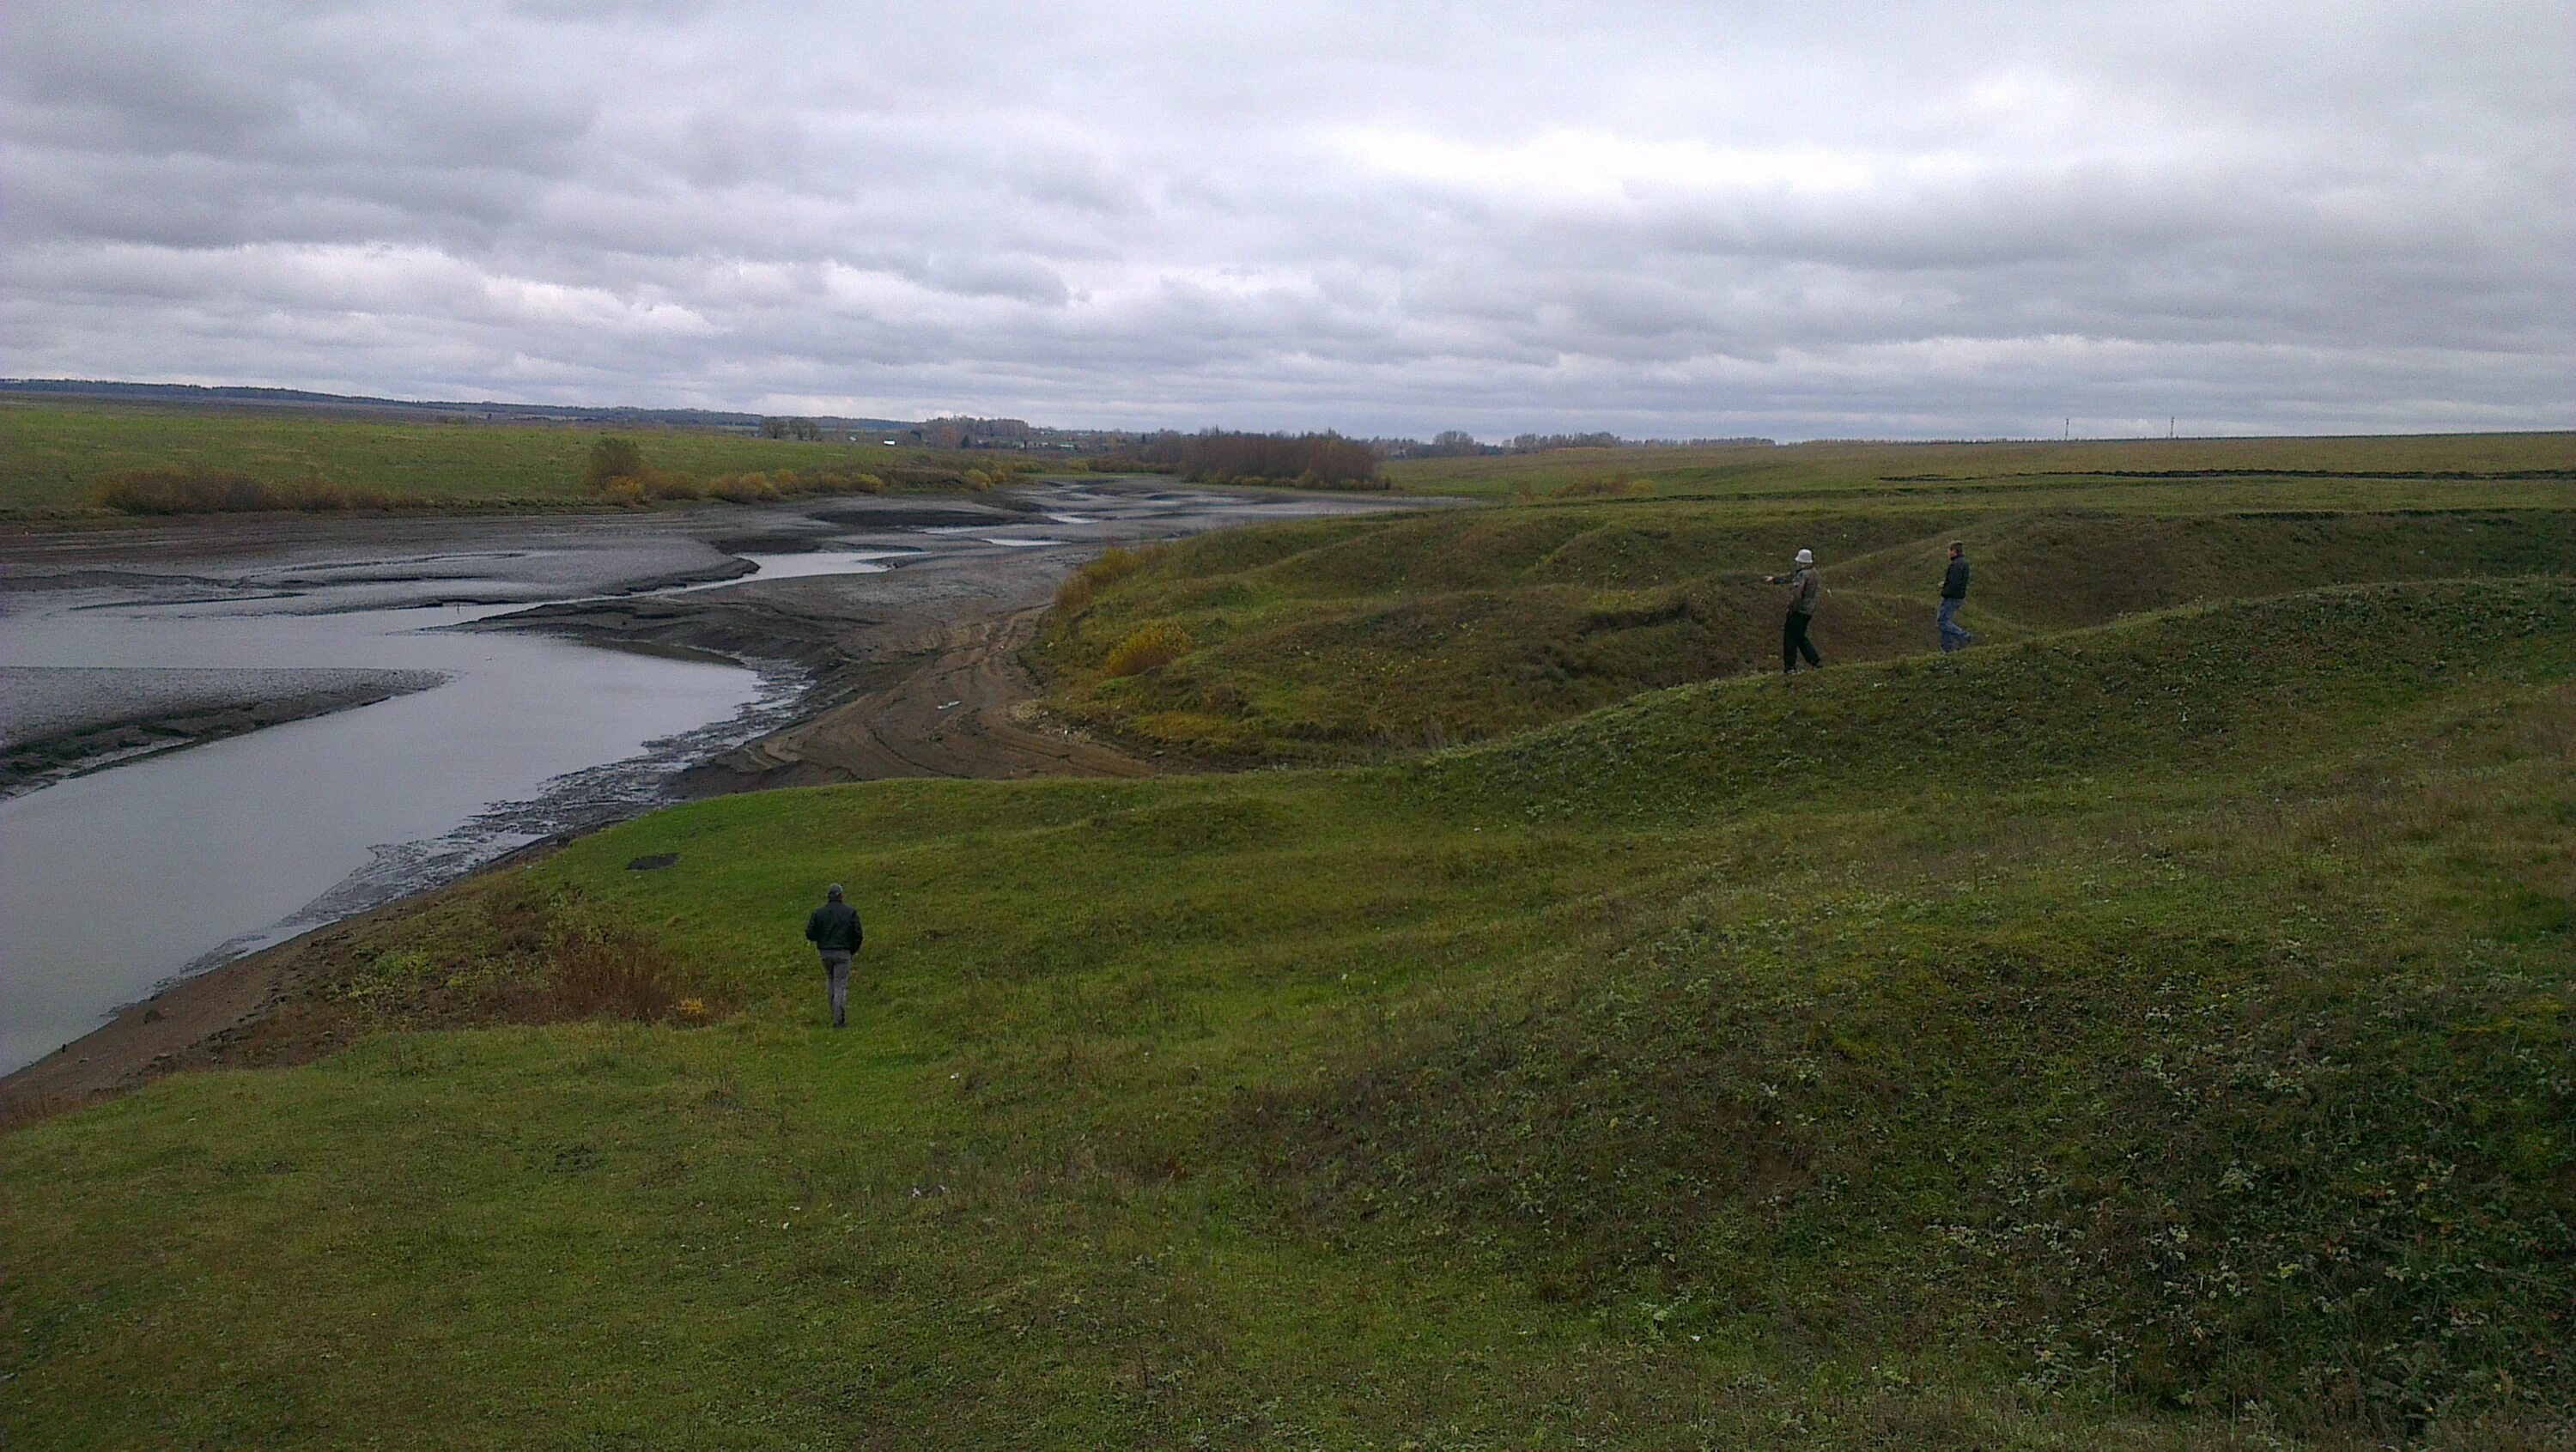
[1149,648]
[229,491]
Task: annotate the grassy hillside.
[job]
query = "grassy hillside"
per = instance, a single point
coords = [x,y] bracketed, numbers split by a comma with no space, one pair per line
[55,457]
[2153,1036]
[2300,473]
[1344,640]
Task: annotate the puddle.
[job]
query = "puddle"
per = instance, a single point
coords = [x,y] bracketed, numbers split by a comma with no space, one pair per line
[804,564]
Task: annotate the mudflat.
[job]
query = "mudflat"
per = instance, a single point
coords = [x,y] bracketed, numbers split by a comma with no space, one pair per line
[900,619]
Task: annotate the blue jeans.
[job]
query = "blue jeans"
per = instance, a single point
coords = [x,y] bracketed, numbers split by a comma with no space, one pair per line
[1953,634]
[836,979]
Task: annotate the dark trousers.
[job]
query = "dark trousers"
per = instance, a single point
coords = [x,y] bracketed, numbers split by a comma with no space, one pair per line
[1794,642]
[836,984]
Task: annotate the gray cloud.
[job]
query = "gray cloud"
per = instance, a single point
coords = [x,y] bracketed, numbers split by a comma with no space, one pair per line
[1665,218]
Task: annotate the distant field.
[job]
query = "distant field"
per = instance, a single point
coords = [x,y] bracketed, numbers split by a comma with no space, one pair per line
[2436,470]
[54,457]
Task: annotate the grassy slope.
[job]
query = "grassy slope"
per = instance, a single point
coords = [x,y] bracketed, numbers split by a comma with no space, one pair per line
[53,456]
[2293,472]
[2019,1049]
[1336,641]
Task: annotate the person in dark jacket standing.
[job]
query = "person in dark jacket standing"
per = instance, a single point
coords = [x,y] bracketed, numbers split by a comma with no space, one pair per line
[1804,588]
[834,931]
[1954,593]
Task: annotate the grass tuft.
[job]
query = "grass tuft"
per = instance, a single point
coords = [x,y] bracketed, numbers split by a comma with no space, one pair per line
[1149,648]
[201,490]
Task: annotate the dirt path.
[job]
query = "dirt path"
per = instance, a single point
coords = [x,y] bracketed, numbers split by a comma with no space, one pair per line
[968,710]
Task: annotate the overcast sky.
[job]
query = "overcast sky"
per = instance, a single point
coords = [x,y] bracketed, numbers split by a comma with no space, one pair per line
[1664,219]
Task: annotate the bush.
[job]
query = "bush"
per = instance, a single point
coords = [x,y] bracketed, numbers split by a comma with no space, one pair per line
[613,459]
[1085,584]
[228,491]
[612,973]
[1156,645]
[618,474]
[1115,564]
[742,488]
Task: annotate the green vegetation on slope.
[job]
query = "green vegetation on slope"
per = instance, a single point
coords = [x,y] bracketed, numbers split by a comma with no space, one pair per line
[2290,473]
[1341,640]
[57,460]
[2149,1037]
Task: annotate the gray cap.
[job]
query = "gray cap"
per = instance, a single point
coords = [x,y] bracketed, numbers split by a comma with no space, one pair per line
[833,891]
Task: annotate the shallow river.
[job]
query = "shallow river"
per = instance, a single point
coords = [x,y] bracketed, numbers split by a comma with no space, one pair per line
[113,882]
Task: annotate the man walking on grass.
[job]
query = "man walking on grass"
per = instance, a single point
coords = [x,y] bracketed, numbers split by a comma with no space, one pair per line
[1804,588]
[834,931]
[1954,593]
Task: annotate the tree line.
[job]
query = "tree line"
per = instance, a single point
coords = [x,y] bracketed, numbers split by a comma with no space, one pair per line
[1459,444]
[1310,461]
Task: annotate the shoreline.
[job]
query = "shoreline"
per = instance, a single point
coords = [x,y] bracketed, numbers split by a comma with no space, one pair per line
[925,683]
[82,740]
[963,710]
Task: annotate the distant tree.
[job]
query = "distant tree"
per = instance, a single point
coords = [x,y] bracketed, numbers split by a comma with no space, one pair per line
[1542,443]
[613,459]
[773,428]
[1316,460]
[1449,444]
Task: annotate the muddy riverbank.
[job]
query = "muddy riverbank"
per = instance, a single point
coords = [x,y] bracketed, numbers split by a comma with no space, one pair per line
[888,631]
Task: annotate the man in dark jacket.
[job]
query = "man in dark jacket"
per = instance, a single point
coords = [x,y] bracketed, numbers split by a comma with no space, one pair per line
[1804,589]
[1954,593]
[834,931]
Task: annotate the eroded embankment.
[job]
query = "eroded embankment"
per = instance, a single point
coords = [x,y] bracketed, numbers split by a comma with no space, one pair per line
[62,721]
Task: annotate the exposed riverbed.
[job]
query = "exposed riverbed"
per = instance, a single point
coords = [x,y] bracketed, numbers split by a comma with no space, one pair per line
[454,702]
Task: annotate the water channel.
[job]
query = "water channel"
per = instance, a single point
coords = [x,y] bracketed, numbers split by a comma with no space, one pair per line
[113,881]
[118,880]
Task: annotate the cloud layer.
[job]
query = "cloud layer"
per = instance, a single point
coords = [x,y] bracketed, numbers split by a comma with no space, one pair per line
[1658,218]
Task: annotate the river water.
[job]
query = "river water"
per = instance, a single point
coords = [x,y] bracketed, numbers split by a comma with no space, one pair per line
[114,882]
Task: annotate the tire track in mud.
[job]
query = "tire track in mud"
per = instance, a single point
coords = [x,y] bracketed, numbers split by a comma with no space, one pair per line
[966,710]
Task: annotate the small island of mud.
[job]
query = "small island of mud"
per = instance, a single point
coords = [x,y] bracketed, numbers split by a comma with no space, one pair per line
[62,721]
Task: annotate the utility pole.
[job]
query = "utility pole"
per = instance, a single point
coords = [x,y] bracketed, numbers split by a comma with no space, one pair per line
[2069,435]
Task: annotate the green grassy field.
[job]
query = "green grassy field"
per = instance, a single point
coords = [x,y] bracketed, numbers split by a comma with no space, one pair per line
[2149,1030]
[54,457]
[1341,641]
[2301,473]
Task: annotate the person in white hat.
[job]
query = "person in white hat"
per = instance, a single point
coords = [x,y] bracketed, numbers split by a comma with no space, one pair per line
[1804,587]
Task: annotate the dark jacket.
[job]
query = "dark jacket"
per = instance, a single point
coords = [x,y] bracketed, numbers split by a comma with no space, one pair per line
[1954,581]
[834,928]
[1804,586]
